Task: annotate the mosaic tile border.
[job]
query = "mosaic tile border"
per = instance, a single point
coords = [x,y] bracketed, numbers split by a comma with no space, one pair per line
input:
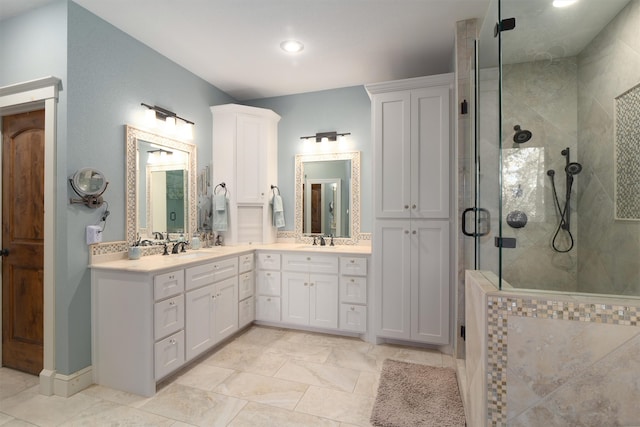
[499,308]
[627,155]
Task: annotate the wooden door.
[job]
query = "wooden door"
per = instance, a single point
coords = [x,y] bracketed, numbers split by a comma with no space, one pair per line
[23,238]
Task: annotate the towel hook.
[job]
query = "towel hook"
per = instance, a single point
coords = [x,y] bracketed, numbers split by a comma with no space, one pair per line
[274,188]
[223,185]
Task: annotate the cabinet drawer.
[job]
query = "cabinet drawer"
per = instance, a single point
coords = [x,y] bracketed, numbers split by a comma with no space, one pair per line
[268,308]
[245,285]
[353,317]
[245,263]
[169,354]
[268,261]
[353,266]
[168,316]
[168,284]
[246,312]
[269,283]
[310,263]
[353,289]
[212,272]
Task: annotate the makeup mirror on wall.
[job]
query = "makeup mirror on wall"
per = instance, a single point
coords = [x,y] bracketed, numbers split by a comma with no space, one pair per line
[328,196]
[161,187]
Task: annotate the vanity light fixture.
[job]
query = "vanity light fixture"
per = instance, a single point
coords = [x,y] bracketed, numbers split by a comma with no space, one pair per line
[184,129]
[325,136]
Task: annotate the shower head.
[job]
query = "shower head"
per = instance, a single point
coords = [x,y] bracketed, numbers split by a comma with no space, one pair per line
[573,168]
[521,135]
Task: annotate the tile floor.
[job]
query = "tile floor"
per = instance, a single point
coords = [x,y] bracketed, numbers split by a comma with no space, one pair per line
[264,377]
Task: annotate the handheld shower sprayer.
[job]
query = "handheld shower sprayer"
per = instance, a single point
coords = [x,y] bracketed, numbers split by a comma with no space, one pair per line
[571,169]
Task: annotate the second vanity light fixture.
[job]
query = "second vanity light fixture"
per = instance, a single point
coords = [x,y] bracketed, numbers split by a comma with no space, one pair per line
[184,129]
[325,136]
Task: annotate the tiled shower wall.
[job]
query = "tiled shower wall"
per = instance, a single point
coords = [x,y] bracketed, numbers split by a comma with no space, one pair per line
[609,250]
[541,97]
[551,359]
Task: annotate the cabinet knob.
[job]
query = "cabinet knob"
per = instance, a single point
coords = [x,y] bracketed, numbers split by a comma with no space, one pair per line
[353,261]
[306,284]
[406,206]
[268,256]
[413,232]
[310,284]
[268,299]
[308,258]
[353,308]
[268,274]
[172,277]
[406,231]
[172,303]
[172,342]
[353,280]
[414,206]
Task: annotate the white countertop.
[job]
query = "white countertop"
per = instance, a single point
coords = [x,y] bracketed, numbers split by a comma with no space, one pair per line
[154,263]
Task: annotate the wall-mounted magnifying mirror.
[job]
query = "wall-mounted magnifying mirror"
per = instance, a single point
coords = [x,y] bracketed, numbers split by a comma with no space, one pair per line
[89,184]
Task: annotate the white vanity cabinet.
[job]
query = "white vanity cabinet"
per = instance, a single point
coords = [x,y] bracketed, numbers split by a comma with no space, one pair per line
[246,286]
[211,304]
[413,158]
[268,287]
[137,328]
[353,294]
[310,290]
[245,158]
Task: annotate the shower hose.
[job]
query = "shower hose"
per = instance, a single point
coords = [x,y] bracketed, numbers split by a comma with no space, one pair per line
[563,223]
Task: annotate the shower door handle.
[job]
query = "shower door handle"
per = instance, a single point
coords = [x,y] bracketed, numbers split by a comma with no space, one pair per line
[478,233]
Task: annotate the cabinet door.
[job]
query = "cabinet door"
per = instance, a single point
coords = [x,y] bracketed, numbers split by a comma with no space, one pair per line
[269,283]
[392,277]
[295,298]
[200,332]
[226,308]
[246,312]
[430,152]
[168,354]
[323,300]
[430,281]
[250,158]
[392,145]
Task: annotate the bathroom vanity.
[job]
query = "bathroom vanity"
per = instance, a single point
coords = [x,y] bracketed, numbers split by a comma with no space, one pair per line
[153,315]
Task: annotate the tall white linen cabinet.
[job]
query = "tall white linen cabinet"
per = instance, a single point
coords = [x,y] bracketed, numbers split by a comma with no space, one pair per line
[412,206]
[245,158]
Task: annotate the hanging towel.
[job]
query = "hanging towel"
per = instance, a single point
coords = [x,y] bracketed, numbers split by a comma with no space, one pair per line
[220,214]
[278,211]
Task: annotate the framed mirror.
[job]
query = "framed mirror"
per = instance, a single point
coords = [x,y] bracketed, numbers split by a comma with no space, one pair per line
[161,186]
[328,196]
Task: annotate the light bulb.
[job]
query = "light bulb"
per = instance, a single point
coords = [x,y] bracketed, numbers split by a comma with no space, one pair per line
[291,46]
[563,3]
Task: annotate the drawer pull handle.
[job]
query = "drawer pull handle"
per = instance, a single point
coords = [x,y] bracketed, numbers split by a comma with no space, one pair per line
[353,261]
[306,284]
[268,274]
[308,258]
[172,342]
[268,299]
[171,277]
[353,308]
[406,206]
[310,284]
[172,303]
[353,280]
[268,256]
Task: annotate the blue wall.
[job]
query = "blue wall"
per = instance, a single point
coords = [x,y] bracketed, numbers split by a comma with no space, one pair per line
[342,110]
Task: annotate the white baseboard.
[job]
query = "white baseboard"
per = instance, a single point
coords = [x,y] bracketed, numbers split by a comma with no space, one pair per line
[62,385]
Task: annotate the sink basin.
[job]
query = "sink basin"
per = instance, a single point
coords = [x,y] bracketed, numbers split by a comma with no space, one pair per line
[313,247]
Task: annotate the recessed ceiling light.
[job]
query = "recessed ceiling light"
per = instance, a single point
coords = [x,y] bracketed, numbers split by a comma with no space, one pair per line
[291,46]
[563,3]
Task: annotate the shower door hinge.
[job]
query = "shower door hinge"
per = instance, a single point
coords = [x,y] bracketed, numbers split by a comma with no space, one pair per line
[464,107]
[463,333]
[504,25]
[505,242]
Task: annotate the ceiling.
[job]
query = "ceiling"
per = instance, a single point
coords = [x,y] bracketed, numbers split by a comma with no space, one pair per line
[235,44]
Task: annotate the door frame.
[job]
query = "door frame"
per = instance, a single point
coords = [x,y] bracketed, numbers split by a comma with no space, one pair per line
[21,98]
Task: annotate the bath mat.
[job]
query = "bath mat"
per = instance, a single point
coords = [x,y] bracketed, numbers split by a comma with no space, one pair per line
[417,395]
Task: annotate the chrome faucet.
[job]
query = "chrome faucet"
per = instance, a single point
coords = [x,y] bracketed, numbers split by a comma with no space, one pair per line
[177,246]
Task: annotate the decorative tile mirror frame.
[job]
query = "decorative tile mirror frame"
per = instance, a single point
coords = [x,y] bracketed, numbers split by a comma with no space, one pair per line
[135,134]
[354,217]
